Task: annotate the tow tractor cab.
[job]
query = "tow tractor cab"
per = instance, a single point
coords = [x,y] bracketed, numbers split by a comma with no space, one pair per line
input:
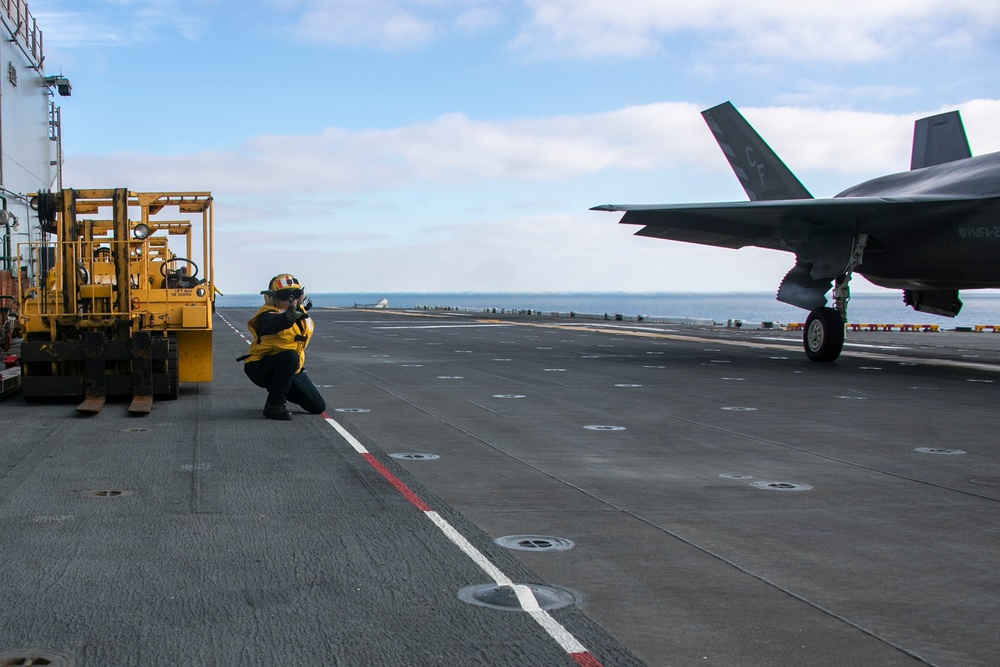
[117,298]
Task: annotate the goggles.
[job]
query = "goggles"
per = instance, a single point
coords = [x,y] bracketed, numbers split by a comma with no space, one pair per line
[287,294]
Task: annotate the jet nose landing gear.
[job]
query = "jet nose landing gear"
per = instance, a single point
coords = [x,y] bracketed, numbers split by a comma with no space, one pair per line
[823,337]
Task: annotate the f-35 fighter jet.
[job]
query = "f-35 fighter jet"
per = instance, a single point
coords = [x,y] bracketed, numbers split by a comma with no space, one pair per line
[930,231]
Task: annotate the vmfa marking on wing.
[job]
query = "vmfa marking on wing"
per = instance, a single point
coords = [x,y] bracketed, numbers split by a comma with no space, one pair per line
[979,232]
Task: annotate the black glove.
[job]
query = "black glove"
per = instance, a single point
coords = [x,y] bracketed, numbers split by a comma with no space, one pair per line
[293,313]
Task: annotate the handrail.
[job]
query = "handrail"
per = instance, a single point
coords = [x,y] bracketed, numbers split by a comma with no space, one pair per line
[25,26]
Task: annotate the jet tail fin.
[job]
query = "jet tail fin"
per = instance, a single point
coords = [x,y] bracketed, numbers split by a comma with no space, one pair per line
[939,139]
[762,174]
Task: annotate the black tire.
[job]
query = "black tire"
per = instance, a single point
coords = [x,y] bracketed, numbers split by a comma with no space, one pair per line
[823,337]
[173,388]
[166,368]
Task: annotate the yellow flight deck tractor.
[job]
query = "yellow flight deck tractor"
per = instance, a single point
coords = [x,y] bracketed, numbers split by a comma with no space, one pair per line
[111,309]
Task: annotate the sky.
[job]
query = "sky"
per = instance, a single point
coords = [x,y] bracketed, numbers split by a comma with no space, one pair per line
[458,145]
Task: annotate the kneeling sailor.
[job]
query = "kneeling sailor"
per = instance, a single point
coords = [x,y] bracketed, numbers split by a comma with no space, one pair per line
[281,331]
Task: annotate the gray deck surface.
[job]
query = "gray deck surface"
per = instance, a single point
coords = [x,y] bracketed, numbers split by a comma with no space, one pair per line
[243,541]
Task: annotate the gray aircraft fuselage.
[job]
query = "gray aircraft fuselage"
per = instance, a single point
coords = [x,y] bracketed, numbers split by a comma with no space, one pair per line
[953,243]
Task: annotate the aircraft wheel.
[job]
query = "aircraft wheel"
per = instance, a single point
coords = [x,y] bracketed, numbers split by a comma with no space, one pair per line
[824,335]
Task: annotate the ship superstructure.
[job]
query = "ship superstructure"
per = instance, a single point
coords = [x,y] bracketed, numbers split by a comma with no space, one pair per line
[30,141]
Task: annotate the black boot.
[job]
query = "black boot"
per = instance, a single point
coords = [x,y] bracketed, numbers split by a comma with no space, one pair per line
[279,412]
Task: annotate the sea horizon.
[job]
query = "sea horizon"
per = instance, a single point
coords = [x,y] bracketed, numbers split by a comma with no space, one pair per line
[720,307]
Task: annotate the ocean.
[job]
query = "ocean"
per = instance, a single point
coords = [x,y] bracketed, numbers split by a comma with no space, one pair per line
[888,308]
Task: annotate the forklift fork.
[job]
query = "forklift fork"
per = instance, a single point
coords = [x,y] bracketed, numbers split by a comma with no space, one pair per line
[95,391]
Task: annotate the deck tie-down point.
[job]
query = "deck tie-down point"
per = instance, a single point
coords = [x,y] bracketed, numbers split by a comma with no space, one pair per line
[497,596]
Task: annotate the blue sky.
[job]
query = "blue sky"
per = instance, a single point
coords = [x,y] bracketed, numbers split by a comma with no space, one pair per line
[457,145]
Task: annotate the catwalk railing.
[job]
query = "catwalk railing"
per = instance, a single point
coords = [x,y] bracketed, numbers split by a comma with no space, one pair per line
[24,28]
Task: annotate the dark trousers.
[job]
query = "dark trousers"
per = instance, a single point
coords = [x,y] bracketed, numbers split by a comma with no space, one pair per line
[276,373]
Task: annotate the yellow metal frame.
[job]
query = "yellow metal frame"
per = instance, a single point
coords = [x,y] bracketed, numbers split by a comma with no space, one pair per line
[100,274]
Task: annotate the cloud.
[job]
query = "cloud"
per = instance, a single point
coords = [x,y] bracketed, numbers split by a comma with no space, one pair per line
[451,149]
[438,206]
[391,25]
[454,150]
[562,252]
[847,31]
[844,32]
[477,19]
[120,22]
[373,23]
[823,94]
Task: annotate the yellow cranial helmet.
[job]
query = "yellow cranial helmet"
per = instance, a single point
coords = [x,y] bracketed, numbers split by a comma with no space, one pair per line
[282,287]
[283,281]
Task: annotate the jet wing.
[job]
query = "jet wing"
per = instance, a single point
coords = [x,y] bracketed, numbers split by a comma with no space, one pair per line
[782,224]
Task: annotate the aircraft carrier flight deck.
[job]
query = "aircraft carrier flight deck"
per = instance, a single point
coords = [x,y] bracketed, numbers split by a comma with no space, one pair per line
[518,490]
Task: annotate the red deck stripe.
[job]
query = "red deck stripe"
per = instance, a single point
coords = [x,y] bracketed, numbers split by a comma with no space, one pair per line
[585,660]
[402,488]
